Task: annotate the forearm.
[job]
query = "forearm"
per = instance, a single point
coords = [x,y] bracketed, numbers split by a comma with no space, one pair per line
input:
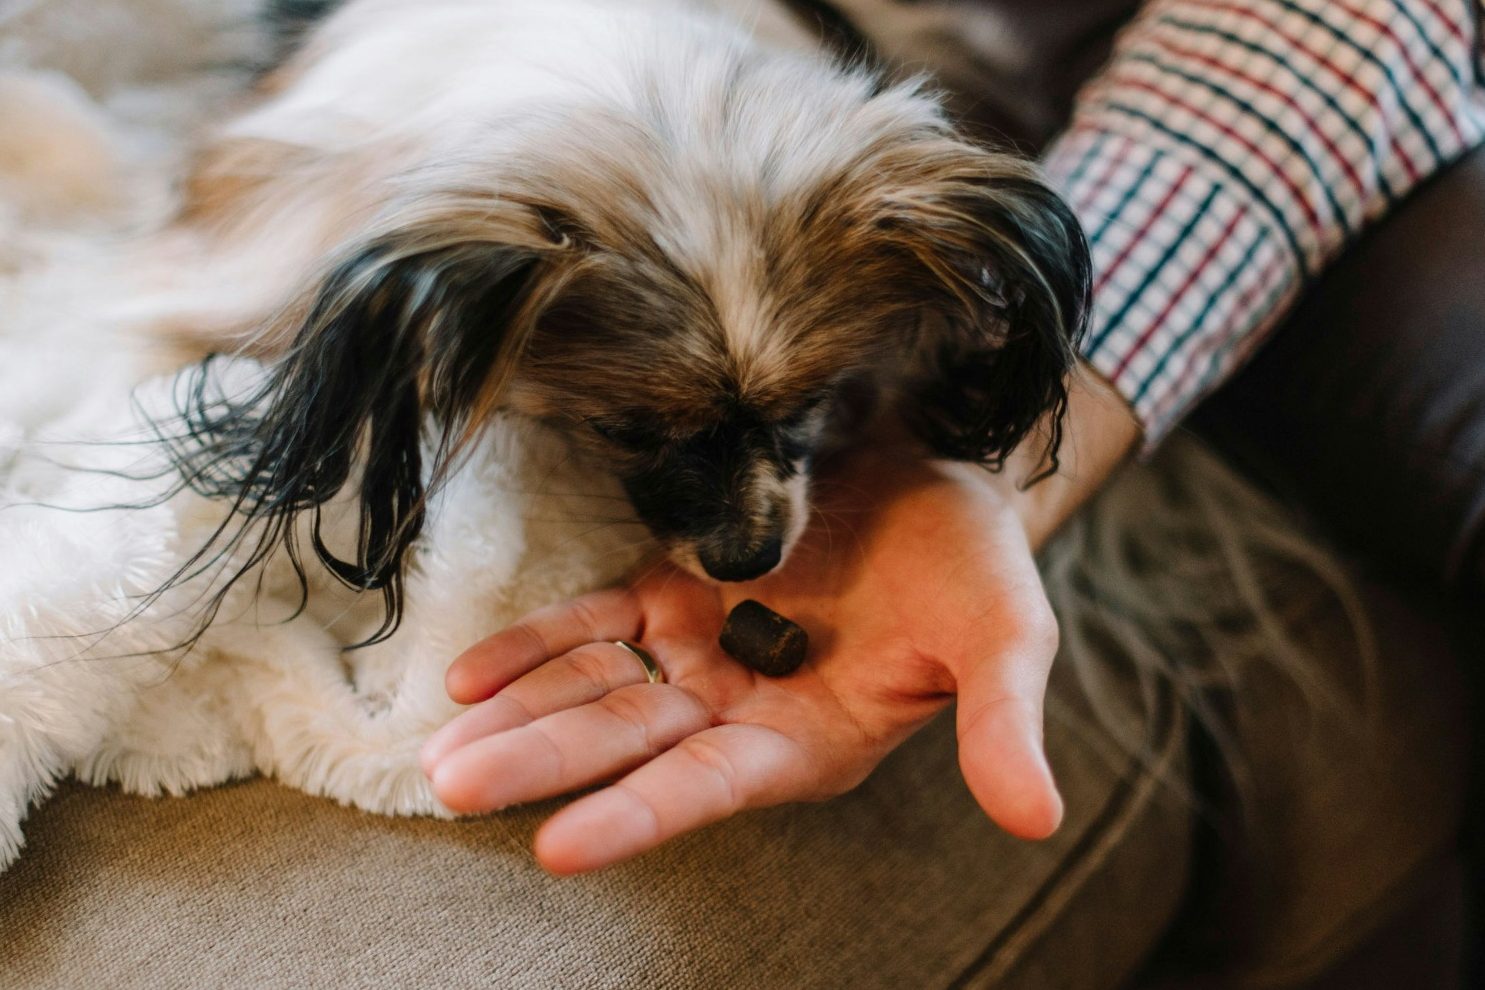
[1227,152]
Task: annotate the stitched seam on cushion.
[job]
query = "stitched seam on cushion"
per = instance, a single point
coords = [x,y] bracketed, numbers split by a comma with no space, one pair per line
[1092,848]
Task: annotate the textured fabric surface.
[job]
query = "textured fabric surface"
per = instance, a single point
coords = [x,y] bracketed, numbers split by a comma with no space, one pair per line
[1369,406]
[1229,151]
[1350,784]
[902,883]
[1334,737]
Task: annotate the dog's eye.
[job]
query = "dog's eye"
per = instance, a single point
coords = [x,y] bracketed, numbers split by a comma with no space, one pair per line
[628,434]
[793,448]
[800,419]
[797,433]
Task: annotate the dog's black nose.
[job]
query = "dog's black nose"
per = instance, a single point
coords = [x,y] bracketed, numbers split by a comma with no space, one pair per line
[728,565]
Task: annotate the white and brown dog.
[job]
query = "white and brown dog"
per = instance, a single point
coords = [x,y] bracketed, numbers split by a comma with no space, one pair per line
[459,260]
[672,229]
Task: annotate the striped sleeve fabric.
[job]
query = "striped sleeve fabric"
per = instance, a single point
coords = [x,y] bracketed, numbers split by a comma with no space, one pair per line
[1231,148]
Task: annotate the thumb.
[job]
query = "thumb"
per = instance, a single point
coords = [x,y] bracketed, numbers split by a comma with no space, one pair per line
[999,720]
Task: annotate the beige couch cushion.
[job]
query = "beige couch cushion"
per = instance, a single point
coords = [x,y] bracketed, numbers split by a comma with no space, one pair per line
[902,883]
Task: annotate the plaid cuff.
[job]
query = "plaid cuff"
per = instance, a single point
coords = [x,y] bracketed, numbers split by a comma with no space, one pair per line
[1229,150]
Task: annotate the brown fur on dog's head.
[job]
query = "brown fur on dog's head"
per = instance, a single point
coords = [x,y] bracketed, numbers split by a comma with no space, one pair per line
[685,287]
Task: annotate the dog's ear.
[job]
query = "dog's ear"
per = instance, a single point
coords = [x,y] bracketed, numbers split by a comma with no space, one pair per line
[1008,270]
[389,336]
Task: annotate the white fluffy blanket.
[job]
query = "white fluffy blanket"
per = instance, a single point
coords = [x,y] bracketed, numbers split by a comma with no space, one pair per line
[98,102]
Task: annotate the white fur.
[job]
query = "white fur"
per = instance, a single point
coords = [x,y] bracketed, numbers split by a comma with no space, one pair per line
[81,693]
[261,692]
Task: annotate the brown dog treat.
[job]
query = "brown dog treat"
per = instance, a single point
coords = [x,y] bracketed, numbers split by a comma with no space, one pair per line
[763,639]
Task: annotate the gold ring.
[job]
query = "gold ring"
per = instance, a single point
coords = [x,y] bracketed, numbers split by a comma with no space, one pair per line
[653,673]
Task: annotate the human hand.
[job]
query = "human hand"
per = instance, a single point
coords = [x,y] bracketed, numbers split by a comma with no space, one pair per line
[915,582]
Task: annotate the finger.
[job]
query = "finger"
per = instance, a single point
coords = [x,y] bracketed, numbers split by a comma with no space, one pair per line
[1000,740]
[549,632]
[578,677]
[568,750]
[708,777]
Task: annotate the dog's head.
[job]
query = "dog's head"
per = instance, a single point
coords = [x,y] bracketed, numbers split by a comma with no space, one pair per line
[688,289]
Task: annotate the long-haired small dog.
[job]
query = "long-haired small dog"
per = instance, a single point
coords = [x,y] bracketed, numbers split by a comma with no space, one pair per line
[695,248]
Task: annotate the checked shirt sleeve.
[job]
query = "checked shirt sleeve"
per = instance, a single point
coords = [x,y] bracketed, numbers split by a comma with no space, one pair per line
[1230,149]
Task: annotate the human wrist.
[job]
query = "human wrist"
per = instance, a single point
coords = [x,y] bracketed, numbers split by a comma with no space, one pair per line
[1099,433]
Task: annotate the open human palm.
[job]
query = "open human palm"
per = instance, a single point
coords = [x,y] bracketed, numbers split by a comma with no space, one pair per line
[916,584]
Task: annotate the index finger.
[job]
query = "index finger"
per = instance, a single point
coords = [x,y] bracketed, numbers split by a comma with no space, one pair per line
[707,777]
[491,664]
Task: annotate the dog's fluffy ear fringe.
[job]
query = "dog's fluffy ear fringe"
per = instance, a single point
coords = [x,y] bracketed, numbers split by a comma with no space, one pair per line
[1016,267]
[346,405]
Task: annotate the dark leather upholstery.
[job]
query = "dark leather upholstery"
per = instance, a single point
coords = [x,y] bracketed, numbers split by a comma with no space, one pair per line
[1368,404]
[1062,43]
